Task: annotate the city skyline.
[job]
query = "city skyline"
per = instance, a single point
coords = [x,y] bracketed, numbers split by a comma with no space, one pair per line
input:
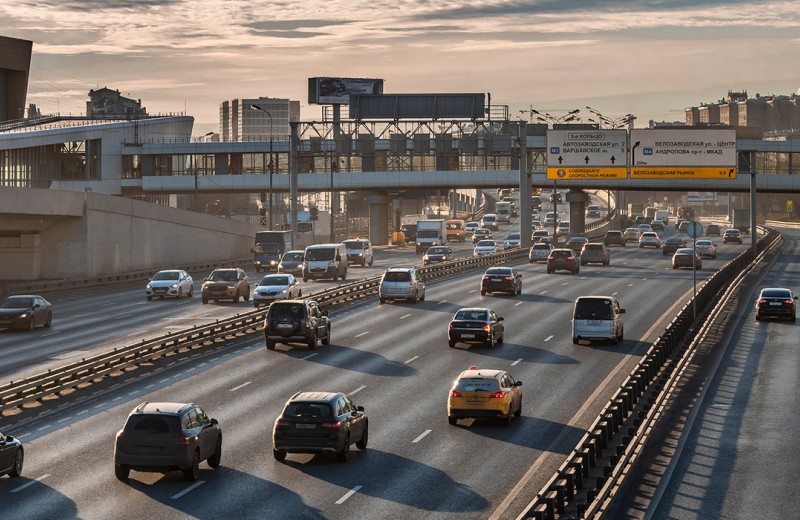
[179,56]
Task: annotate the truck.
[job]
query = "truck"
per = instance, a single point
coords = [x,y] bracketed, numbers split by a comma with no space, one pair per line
[663,216]
[741,220]
[269,248]
[431,232]
[503,211]
[456,230]
[635,209]
[310,232]
[408,225]
[650,213]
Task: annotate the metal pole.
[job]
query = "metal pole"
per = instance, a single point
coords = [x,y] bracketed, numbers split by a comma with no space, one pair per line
[524,187]
[555,214]
[271,167]
[694,278]
[294,168]
[332,232]
[753,210]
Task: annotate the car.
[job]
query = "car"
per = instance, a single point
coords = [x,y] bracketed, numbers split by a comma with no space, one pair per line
[536,202]
[12,456]
[555,197]
[593,211]
[683,226]
[509,198]
[706,248]
[657,225]
[563,228]
[595,253]
[597,318]
[276,287]
[535,214]
[639,219]
[485,247]
[471,226]
[320,422]
[713,229]
[292,262]
[482,234]
[538,234]
[644,228]
[402,283]
[436,255]
[777,302]
[501,279]
[489,221]
[632,234]
[576,244]
[551,217]
[359,251]
[514,210]
[174,283]
[614,238]
[650,239]
[26,312]
[686,257]
[164,436]
[296,321]
[512,241]
[539,252]
[230,283]
[484,393]
[476,325]
[672,244]
[562,259]
[409,232]
[536,224]
[732,235]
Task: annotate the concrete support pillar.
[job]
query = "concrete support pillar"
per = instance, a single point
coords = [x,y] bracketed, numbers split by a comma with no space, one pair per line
[577,211]
[378,219]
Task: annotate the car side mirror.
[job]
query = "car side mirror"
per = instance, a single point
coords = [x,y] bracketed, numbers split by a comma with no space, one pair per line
[622,311]
[518,383]
[324,313]
[37,305]
[360,408]
[214,422]
[500,318]
[796,297]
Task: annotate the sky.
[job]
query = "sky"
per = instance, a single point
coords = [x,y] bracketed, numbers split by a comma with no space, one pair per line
[649,58]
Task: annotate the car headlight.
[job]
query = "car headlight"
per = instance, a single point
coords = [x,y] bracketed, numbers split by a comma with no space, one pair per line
[331,263]
[173,286]
[148,287]
[23,315]
[272,262]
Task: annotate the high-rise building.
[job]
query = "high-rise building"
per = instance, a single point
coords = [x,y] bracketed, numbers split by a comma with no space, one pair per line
[761,114]
[15,64]
[238,121]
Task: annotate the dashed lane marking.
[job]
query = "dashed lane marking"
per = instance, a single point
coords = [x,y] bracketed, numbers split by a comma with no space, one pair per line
[29,484]
[362,334]
[515,363]
[422,436]
[190,488]
[404,316]
[548,338]
[360,388]
[348,495]
[235,388]
[412,359]
[309,356]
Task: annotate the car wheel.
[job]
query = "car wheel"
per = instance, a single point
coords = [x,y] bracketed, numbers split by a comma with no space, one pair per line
[483,293]
[31,323]
[674,266]
[507,419]
[793,318]
[312,342]
[280,456]
[383,300]
[549,271]
[502,338]
[122,471]
[305,279]
[344,275]
[370,262]
[180,293]
[247,295]
[192,473]
[149,298]
[49,321]
[575,341]
[641,246]
[258,269]
[491,342]
[19,460]
[758,317]
[215,459]
[451,343]
[191,291]
[362,443]
[519,409]
[270,345]
[205,300]
[300,293]
[452,420]
[343,455]
[327,339]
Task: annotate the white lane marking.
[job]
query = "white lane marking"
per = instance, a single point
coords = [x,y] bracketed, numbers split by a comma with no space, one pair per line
[422,436]
[515,363]
[441,302]
[362,334]
[614,293]
[122,317]
[565,283]
[644,278]
[518,303]
[190,488]
[51,333]
[472,291]
[404,316]
[548,338]
[412,359]
[583,278]
[62,420]
[137,333]
[43,427]
[235,388]
[360,388]
[309,356]
[29,484]
[543,292]
[82,412]
[348,495]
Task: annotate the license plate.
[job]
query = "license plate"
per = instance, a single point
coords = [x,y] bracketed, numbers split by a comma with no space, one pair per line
[776,304]
[468,336]
[149,450]
[497,279]
[304,426]
[284,325]
[474,400]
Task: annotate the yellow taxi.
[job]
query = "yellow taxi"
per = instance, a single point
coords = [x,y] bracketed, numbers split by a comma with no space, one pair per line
[484,392]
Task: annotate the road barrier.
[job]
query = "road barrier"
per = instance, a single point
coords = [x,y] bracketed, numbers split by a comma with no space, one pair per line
[585,482]
[16,394]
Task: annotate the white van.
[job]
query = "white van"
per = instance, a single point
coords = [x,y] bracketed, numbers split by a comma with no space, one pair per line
[663,216]
[325,261]
[489,221]
[597,318]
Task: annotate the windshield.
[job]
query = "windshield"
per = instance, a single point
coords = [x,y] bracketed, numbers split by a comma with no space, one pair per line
[593,309]
[223,276]
[477,385]
[437,251]
[428,233]
[16,302]
[397,276]
[293,257]
[353,244]
[167,275]
[454,225]
[514,236]
[267,248]
[327,253]
[487,243]
[274,280]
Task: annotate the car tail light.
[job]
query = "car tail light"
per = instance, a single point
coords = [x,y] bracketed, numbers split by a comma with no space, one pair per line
[332,425]
[282,423]
[454,393]
[788,302]
[451,325]
[499,395]
[183,440]
[485,277]
[508,278]
[761,302]
[486,328]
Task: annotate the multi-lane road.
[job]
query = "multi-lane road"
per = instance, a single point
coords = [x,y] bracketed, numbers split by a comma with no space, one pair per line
[393,359]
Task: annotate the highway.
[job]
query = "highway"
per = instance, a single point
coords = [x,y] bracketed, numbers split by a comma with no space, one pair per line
[393,359]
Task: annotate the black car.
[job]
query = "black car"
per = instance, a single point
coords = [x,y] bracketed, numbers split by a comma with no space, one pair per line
[475,325]
[657,225]
[563,259]
[712,229]
[732,235]
[296,321]
[12,456]
[437,254]
[410,232]
[25,311]
[501,279]
[777,302]
[672,244]
[163,437]
[320,422]
[614,238]
[576,244]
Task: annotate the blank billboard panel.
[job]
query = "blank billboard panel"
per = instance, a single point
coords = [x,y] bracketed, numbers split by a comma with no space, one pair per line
[417,106]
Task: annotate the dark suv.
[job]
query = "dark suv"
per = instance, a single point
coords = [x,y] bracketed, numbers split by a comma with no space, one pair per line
[614,238]
[320,422]
[162,437]
[296,321]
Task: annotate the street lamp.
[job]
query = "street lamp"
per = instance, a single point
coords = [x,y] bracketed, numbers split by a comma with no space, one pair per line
[271,164]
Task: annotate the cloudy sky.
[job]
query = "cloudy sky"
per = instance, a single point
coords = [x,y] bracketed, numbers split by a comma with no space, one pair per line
[651,58]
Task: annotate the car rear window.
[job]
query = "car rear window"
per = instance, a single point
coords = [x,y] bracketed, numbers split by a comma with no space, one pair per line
[776,293]
[561,254]
[593,247]
[477,385]
[397,276]
[593,309]
[498,270]
[152,424]
[307,410]
[293,311]
[471,315]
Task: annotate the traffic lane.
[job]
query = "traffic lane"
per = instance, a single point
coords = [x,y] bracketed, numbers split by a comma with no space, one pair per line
[743,438]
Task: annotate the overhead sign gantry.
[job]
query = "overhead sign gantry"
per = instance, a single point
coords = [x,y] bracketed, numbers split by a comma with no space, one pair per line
[587,154]
[683,154]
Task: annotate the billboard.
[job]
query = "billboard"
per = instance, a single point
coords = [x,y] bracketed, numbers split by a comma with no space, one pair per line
[418,106]
[337,91]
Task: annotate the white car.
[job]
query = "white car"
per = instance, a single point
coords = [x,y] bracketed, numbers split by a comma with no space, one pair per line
[650,239]
[536,224]
[631,234]
[512,241]
[539,252]
[705,248]
[276,287]
[173,283]
[551,217]
[470,227]
[485,247]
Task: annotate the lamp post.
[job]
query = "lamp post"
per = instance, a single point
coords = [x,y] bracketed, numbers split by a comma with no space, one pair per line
[271,164]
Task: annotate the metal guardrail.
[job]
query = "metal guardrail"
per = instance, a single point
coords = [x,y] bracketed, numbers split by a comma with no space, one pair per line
[629,411]
[16,394]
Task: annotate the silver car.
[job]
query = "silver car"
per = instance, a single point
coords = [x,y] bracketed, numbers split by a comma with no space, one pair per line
[485,247]
[512,241]
[173,283]
[402,283]
[539,252]
[292,262]
[276,287]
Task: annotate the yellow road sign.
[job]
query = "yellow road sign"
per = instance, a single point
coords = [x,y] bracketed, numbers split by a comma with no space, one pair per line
[789,206]
[682,172]
[573,173]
